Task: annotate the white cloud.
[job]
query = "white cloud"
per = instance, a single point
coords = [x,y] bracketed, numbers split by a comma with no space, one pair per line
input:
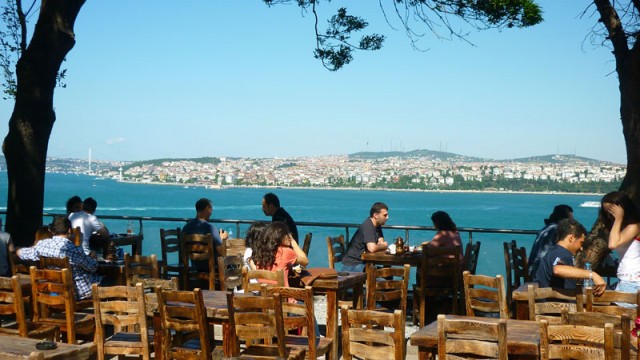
[115,140]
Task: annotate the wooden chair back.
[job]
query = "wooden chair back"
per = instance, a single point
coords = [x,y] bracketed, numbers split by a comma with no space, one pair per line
[197,248]
[52,290]
[387,284]
[621,327]
[484,295]
[516,267]
[19,266]
[253,319]
[170,245]
[54,263]
[459,338]
[575,341]
[547,303]
[608,303]
[336,250]
[230,272]
[271,278]
[471,253]
[439,276]
[300,315]
[138,267]
[124,308]
[364,335]
[306,245]
[234,247]
[184,321]
[12,305]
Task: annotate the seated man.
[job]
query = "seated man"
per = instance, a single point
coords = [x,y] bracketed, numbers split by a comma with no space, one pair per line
[83,266]
[95,235]
[368,238]
[556,268]
[201,225]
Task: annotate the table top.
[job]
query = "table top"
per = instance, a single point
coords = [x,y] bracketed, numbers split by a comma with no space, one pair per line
[15,347]
[382,258]
[344,280]
[215,303]
[523,336]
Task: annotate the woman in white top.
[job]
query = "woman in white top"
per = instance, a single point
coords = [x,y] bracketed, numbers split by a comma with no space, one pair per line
[254,233]
[620,217]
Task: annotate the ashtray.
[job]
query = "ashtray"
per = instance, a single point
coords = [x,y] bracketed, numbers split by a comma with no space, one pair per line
[46,345]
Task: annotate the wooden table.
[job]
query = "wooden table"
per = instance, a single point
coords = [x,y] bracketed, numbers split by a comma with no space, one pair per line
[382,258]
[523,338]
[14,347]
[113,271]
[353,280]
[133,240]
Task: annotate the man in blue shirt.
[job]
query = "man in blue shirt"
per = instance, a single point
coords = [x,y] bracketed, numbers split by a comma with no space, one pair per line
[201,225]
[556,269]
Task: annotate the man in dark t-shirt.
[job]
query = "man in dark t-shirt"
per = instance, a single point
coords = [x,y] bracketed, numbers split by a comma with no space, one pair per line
[368,238]
[271,207]
[556,267]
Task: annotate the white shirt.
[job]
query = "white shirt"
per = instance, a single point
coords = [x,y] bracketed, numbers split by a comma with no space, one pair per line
[629,254]
[89,225]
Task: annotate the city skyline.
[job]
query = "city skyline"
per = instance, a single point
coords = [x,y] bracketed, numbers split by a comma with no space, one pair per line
[239,80]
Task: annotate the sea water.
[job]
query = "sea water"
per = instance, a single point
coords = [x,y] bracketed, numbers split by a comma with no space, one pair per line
[472,210]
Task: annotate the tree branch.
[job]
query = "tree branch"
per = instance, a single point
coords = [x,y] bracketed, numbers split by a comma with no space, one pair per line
[611,21]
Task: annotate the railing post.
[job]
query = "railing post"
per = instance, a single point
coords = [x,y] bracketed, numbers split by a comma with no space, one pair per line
[140,222]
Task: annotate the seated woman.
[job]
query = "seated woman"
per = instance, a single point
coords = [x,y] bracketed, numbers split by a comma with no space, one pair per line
[447,235]
[278,250]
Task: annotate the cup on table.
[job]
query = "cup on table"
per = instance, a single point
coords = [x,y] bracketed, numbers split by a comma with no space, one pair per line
[392,249]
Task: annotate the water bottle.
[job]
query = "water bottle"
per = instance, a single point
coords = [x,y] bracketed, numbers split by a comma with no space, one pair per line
[588,282]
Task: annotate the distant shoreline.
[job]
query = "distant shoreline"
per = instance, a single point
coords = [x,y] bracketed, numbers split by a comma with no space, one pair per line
[223,187]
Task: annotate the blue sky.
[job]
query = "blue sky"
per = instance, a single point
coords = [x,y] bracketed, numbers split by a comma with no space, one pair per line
[153,79]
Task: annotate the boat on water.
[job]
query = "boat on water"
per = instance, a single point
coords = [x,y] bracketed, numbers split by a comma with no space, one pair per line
[590,204]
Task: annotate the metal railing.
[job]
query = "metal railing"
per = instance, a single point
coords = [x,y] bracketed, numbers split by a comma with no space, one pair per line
[408,229]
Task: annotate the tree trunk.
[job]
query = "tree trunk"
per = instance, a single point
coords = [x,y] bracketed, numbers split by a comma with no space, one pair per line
[25,146]
[628,70]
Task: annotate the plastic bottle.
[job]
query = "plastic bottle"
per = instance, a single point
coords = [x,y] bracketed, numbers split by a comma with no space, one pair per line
[588,282]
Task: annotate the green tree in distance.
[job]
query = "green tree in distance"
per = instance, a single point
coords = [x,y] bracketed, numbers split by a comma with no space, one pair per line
[39,58]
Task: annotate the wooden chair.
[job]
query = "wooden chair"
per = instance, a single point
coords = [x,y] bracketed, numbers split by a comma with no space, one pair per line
[63,263]
[621,327]
[230,272]
[300,315]
[234,247]
[306,245]
[484,295]
[274,278]
[460,338]
[608,303]
[52,290]
[516,268]
[259,321]
[471,253]
[124,308]
[575,341]
[170,244]
[197,248]
[387,284]
[439,276]
[19,266]
[54,263]
[12,304]
[547,303]
[184,323]
[364,335]
[336,250]
[137,267]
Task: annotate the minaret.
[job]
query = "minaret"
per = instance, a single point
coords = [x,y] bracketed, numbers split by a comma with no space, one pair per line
[90,172]
[120,169]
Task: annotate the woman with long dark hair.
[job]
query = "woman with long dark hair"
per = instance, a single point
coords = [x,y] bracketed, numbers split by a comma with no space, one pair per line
[620,216]
[447,235]
[278,250]
[251,239]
